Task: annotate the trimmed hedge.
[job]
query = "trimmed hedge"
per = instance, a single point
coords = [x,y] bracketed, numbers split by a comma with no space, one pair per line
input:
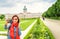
[39,31]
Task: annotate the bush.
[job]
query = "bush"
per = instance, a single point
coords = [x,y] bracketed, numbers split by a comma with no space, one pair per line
[2,16]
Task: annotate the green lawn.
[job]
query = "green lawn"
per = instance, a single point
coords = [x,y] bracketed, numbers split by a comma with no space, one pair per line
[23,25]
[39,31]
[2,22]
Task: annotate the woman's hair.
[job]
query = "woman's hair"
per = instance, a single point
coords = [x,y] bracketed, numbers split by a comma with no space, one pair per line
[17,17]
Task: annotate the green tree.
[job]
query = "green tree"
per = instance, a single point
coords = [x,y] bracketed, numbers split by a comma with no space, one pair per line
[2,16]
[53,11]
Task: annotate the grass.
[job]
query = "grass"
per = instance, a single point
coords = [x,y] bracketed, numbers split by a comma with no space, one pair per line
[26,24]
[39,31]
[23,25]
[2,25]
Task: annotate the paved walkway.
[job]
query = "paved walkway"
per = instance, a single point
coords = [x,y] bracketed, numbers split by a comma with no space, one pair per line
[3,37]
[54,26]
[24,33]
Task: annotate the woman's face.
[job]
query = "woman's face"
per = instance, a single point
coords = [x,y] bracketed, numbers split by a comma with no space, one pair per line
[15,20]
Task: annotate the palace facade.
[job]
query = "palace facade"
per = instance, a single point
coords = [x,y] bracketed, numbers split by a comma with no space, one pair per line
[25,14]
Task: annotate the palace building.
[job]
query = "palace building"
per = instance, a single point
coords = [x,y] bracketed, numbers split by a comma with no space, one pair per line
[25,14]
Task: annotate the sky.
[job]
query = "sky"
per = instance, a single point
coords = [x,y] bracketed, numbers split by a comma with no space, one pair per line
[33,6]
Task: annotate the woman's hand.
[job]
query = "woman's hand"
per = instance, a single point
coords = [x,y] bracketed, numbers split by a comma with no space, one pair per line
[6,22]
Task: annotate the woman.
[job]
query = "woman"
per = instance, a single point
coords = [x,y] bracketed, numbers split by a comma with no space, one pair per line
[13,30]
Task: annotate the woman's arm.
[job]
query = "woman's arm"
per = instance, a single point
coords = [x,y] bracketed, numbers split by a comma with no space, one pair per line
[19,32]
[7,26]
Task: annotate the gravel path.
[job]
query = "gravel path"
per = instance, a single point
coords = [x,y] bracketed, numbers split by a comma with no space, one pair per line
[54,26]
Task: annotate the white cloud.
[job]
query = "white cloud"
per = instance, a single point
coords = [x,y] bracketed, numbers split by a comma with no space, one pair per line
[18,6]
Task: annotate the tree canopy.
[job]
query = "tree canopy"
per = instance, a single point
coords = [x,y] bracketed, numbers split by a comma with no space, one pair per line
[53,11]
[2,16]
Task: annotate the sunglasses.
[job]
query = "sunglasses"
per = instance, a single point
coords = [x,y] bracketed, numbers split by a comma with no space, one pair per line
[15,19]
